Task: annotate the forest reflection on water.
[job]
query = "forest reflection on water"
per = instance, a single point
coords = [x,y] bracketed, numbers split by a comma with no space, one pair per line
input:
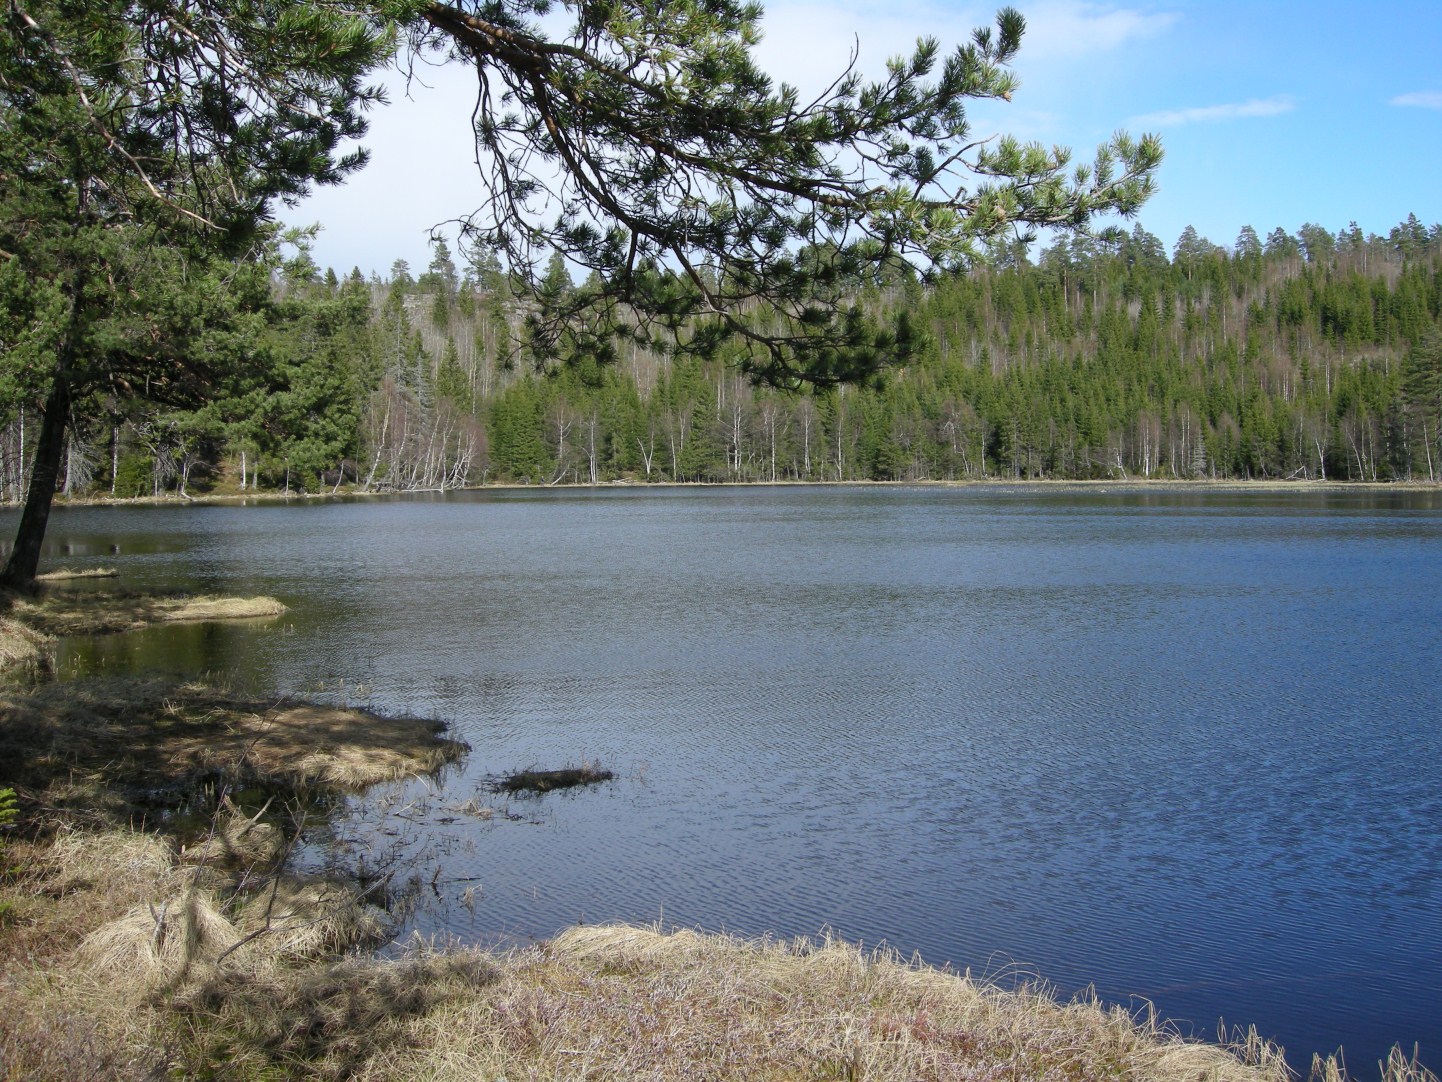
[1176,743]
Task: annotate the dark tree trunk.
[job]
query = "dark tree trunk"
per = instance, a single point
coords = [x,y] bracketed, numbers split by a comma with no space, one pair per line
[24,562]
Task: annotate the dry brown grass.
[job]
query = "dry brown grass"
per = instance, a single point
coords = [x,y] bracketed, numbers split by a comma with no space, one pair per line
[114,937]
[60,1021]
[102,612]
[294,919]
[164,942]
[624,1002]
[175,940]
[122,961]
[327,1020]
[114,750]
[21,646]
[142,972]
[66,574]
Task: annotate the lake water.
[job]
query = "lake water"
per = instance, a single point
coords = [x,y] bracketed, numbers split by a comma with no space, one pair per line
[1179,744]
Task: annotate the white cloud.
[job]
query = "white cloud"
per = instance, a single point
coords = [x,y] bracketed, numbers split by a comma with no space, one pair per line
[1210,113]
[807,42]
[1057,28]
[422,172]
[1424,99]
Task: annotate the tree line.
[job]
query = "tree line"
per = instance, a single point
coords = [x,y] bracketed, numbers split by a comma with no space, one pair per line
[709,208]
[1295,355]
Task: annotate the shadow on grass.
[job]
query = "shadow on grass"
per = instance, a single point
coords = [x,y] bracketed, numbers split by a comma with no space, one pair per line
[120,750]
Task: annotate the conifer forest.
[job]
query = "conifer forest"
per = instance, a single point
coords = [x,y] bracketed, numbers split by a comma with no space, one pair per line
[1303,355]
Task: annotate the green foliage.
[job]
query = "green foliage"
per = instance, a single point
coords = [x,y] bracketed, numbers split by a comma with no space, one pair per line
[142,146]
[133,477]
[674,150]
[1099,361]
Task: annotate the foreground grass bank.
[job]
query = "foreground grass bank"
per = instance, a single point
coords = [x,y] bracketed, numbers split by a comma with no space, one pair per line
[152,925]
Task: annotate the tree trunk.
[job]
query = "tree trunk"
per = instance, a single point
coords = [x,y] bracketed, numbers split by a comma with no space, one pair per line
[24,562]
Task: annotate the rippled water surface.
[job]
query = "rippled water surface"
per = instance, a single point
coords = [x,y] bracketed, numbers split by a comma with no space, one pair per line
[1182,745]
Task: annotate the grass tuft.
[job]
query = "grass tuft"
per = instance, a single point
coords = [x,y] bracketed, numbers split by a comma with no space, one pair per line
[67,574]
[294,919]
[546,781]
[21,647]
[324,1021]
[162,944]
[627,1002]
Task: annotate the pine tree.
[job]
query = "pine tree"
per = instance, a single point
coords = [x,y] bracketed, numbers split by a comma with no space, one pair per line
[137,136]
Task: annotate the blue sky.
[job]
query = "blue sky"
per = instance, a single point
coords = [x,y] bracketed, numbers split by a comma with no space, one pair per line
[1271,113]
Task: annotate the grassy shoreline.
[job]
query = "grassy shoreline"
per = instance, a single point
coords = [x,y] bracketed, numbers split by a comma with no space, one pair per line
[151,926]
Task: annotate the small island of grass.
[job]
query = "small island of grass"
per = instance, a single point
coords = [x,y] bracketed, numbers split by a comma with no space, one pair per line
[537,782]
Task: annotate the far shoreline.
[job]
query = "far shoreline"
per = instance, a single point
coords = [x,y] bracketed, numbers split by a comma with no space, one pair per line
[1128,484]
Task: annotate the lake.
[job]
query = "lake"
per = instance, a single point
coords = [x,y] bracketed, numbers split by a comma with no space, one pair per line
[1180,744]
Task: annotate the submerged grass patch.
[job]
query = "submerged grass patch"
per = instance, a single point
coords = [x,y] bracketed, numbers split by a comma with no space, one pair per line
[546,781]
[100,612]
[66,574]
